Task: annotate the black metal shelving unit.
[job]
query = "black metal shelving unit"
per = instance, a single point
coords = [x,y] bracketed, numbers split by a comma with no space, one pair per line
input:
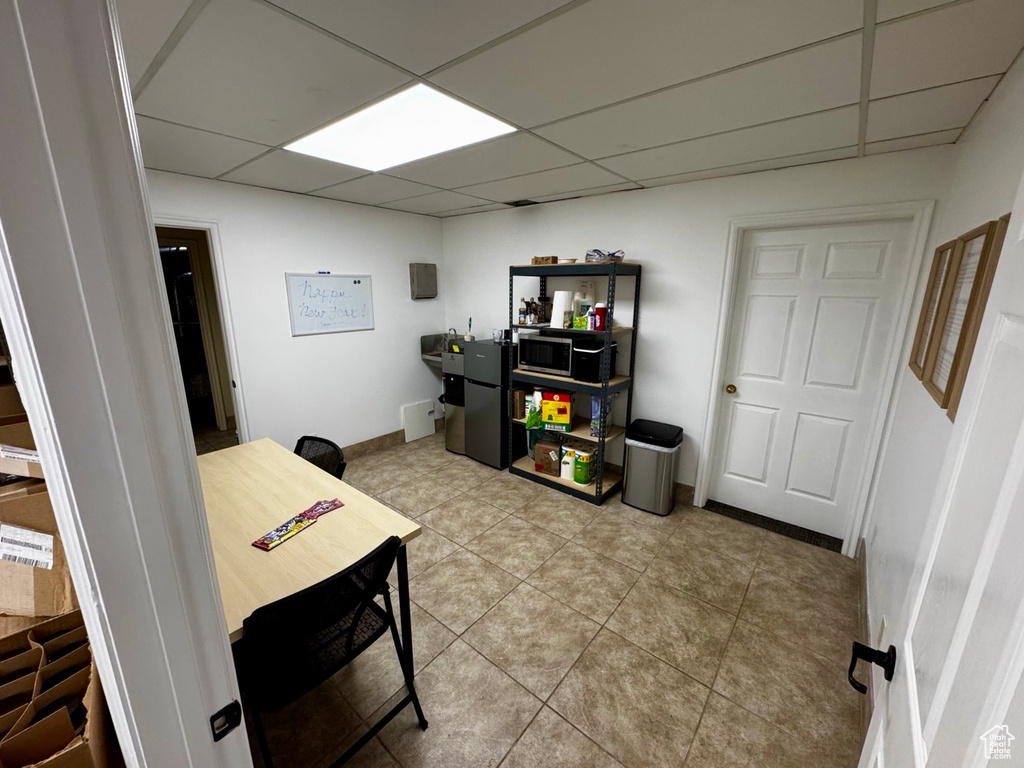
[606,483]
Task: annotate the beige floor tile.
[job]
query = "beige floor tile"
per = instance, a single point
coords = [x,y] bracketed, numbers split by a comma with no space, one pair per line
[460,589]
[582,579]
[462,518]
[425,550]
[507,492]
[706,575]
[474,710]
[311,729]
[550,742]
[419,495]
[798,691]
[688,634]
[375,476]
[823,625]
[731,737]
[828,572]
[375,675]
[431,457]
[532,637]
[465,473]
[372,755]
[721,534]
[668,523]
[516,546]
[629,543]
[559,513]
[636,707]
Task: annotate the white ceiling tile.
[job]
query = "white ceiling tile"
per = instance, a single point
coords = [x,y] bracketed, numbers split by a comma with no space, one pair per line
[475,209]
[245,70]
[894,9]
[961,42]
[761,165]
[508,156]
[145,26]
[811,80]
[175,148]
[436,202]
[608,50]
[292,172]
[950,106]
[375,189]
[913,142]
[798,135]
[582,176]
[625,186]
[420,36]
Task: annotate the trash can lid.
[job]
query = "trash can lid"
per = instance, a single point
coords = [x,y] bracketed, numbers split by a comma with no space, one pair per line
[655,433]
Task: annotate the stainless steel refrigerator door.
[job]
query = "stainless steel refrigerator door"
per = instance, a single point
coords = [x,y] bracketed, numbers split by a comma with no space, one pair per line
[483,362]
[483,423]
[455,428]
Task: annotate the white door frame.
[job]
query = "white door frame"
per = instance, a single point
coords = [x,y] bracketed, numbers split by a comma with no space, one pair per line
[220,286]
[920,212]
[86,316]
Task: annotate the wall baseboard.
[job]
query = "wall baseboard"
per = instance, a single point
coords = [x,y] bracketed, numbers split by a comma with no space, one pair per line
[382,442]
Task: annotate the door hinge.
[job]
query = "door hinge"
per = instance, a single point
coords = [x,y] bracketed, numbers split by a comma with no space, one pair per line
[224,721]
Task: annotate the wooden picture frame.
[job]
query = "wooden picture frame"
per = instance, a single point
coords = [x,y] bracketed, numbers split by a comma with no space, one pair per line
[968,278]
[930,307]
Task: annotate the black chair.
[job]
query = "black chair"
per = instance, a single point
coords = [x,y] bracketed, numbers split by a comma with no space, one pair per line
[322,453]
[296,643]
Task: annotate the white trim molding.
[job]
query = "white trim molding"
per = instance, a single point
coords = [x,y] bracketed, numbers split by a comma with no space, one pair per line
[87,321]
[919,213]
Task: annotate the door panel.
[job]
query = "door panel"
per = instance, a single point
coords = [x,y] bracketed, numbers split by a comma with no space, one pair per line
[483,423]
[841,332]
[813,323]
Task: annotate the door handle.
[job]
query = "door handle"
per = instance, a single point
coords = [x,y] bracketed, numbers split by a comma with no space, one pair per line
[885,659]
[730,388]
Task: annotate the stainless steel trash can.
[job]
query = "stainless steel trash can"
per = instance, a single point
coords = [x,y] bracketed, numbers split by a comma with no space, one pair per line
[651,452]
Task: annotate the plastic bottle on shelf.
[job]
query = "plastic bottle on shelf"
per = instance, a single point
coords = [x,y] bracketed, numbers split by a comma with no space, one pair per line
[522,311]
[531,312]
[591,320]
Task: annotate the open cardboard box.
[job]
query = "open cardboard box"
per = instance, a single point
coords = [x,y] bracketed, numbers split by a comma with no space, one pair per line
[18,435]
[26,590]
[11,409]
[65,722]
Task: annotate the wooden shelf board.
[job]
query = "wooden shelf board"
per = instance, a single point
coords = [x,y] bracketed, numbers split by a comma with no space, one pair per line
[546,327]
[615,384]
[581,430]
[611,477]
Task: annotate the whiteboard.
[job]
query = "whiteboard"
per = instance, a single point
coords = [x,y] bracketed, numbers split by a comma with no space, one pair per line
[329,303]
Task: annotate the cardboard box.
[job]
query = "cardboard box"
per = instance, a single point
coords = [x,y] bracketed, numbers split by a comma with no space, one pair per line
[518,403]
[20,436]
[538,260]
[556,411]
[27,590]
[65,722]
[547,455]
[11,409]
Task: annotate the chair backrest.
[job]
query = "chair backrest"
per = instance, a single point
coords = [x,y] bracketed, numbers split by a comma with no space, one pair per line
[323,453]
[294,644]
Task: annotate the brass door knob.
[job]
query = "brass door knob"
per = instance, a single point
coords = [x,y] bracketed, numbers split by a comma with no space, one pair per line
[730,388]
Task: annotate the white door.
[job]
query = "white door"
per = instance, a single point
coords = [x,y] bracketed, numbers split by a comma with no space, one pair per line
[813,320]
[958,691]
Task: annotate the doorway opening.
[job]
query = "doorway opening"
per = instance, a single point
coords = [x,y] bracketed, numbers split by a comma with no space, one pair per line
[199,336]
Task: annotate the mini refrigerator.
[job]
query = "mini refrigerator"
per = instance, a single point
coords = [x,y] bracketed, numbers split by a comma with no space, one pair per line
[486,398]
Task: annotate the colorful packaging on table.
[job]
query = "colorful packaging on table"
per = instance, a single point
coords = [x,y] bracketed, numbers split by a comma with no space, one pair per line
[302,520]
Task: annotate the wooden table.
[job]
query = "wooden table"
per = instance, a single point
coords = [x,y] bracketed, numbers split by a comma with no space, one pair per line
[251,489]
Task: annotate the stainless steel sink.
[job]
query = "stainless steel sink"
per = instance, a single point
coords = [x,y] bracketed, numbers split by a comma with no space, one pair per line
[431,347]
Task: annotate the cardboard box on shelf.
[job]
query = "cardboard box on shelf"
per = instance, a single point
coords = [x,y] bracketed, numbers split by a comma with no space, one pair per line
[11,409]
[27,586]
[14,437]
[546,457]
[556,411]
[65,722]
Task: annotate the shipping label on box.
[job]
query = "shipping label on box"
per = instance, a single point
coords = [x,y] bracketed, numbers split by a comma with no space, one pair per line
[546,457]
[30,588]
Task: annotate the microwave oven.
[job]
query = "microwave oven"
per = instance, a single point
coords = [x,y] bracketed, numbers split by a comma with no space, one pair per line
[545,354]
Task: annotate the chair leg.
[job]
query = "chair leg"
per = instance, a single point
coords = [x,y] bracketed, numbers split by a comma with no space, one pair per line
[403,661]
[261,738]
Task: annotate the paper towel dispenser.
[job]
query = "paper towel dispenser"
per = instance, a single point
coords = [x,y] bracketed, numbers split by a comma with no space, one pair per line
[423,281]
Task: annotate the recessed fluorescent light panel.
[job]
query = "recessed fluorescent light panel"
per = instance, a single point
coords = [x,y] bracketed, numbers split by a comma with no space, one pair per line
[418,122]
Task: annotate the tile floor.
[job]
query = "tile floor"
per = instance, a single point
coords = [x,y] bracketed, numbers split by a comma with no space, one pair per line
[209,439]
[549,632]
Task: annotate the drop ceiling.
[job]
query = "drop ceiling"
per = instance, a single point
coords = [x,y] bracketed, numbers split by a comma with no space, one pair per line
[606,95]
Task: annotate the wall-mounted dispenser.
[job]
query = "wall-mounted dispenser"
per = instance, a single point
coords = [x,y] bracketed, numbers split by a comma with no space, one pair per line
[423,281]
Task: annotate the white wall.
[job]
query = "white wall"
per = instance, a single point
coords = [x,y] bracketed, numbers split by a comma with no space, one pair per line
[347,387]
[985,173]
[678,233]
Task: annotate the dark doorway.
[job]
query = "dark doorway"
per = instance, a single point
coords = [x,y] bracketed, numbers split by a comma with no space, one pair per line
[195,320]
